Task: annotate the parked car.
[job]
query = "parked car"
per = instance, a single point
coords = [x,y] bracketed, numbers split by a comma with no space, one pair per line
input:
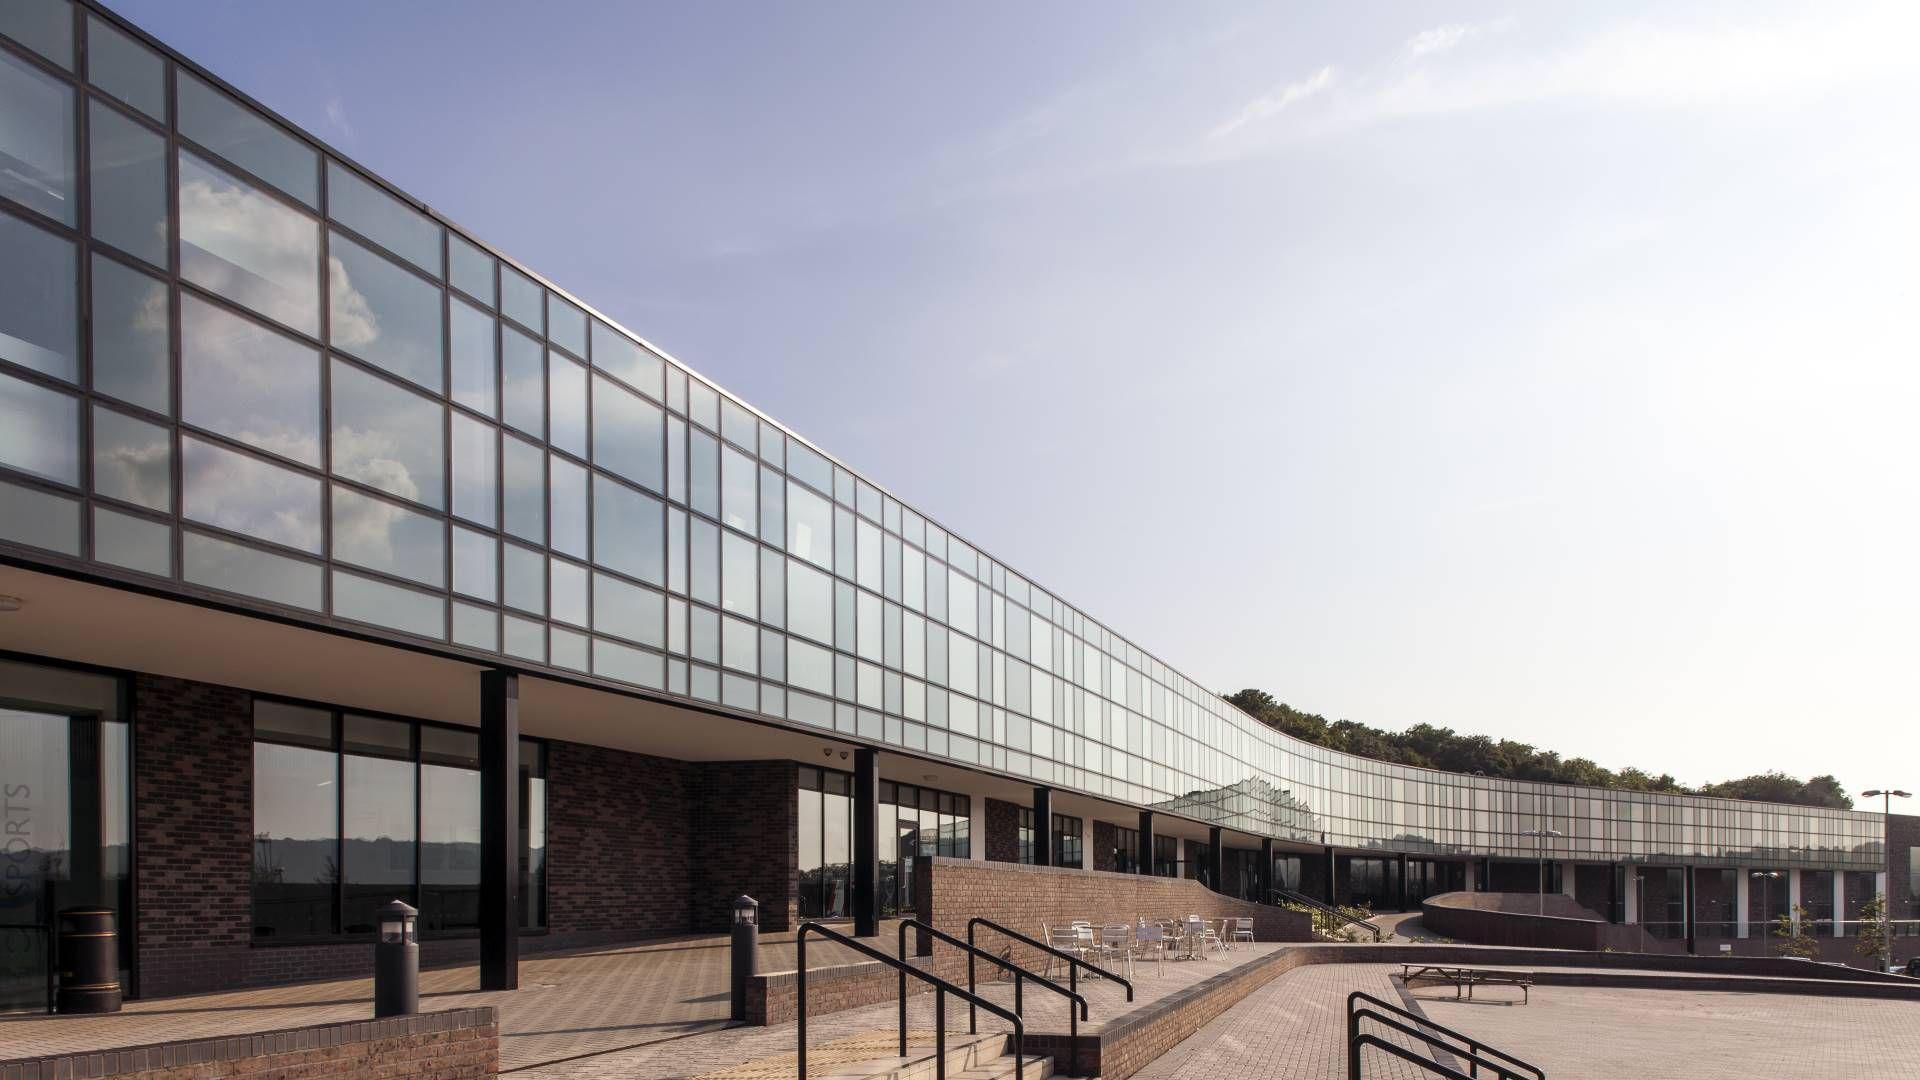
[1913,967]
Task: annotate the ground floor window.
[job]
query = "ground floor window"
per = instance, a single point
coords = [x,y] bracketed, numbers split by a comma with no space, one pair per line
[1816,895]
[914,822]
[1067,841]
[1126,850]
[351,811]
[1166,856]
[1286,872]
[64,816]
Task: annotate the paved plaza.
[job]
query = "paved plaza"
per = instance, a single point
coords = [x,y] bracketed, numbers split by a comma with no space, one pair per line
[1294,1028]
[658,1010]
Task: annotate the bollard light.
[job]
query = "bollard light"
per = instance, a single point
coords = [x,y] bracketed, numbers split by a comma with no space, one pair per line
[746,951]
[746,910]
[399,924]
[396,961]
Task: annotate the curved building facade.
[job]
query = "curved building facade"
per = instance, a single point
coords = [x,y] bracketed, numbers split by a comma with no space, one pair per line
[251,393]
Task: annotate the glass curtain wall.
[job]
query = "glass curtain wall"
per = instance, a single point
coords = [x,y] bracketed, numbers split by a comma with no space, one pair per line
[352,811]
[298,389]
[64,819]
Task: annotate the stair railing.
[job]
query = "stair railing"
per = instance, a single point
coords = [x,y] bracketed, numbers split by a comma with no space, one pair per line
[941,988]
[1471,1048]
[1074,963]
[1020,975]
[1305,901]
[1361,1042]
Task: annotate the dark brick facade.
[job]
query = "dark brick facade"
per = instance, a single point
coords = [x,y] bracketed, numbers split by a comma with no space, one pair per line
[1002,831]
[617,840]
[193,820]
[745,836]
[1103,842]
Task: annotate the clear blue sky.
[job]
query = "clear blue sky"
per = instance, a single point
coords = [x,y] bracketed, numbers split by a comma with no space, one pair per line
[1543,372]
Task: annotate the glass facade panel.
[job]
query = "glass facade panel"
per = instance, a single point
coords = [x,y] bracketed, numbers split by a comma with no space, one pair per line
[237,133]
[628,434]
[567,405]
[475,351]
[39,430]
[809,526]
[247,382]
[36,140]
[388,437]
[387,537]
[567,530]
[629,611]
[45,26]
[523,382]
[132,331]
[626,360]
[384,314]
[383,219]
[376,837]
[566,325]
[136,543]
[249,247]
[476,564]
[366,600]
[39,309]
[244,494]
[523,485]
[128,178]
[132,460]
[221,564]
[627,532]
[126,69]
[476,470]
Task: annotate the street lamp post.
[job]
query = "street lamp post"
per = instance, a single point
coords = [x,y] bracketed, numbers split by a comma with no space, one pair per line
[1541,848]
[1886,824]
[1766,899]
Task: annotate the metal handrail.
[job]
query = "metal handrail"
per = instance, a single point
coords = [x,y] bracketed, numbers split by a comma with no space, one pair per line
[941,988]
[1074,963]
[1474,1045]
[1308,901]
[1019,974]
[1357,1042]
[1353,1030]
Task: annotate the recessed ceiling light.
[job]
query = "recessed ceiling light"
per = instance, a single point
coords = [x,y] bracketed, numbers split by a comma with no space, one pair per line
[11,603]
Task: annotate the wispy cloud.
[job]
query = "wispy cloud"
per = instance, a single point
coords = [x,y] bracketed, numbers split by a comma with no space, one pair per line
[1438,39]
[1269,105]
[336,110]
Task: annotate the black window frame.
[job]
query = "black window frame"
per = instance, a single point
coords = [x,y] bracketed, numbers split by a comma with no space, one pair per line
[534,757]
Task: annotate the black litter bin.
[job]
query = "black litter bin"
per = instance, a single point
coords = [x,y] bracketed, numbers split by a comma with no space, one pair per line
[89,962]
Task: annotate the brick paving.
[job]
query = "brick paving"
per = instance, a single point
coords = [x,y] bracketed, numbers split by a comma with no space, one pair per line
[589,1001]
[1703,1035]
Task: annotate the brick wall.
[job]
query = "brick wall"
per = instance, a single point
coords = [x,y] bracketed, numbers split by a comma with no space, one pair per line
[450,1045]
[950,891]
[1103,841]
[193,823]
[618,845]
[1003,831]
[745,838]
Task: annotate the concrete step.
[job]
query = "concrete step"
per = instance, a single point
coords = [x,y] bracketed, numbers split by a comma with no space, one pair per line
[969,1057]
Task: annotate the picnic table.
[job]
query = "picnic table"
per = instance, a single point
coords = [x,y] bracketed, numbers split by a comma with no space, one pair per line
[1465,978]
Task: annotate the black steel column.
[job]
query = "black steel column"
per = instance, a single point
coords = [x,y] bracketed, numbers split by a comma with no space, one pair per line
[1614,875]
[1333,875]
[499,830]
[866,843]
[1403,881]
[1146,842]
[85,834]
[1216,861]
[1265,876]
[1043,826]
[1686,891]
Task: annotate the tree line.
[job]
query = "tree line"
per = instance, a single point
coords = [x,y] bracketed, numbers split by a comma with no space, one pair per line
[1443,748]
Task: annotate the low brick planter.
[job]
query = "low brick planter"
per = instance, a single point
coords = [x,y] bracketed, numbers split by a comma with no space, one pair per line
[450,1045]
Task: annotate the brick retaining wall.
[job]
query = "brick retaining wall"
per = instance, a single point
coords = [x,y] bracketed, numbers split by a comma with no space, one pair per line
[450,1045]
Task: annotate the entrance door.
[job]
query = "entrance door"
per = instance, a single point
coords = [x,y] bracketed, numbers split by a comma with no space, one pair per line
[63,838]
